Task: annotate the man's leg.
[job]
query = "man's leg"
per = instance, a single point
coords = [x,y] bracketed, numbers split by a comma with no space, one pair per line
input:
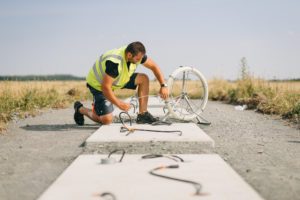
[102,109]
[142,81]
[103,119]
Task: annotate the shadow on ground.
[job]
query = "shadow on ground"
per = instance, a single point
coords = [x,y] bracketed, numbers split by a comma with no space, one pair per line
[59,127]
[294,141]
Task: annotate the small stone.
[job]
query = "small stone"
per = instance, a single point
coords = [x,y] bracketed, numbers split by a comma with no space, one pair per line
[260,151]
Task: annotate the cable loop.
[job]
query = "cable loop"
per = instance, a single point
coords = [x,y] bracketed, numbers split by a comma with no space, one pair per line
[108,194]
[121,118]
[116,150]
[197,185]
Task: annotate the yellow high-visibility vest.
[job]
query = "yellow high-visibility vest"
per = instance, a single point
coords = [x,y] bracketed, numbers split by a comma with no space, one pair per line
[96,73]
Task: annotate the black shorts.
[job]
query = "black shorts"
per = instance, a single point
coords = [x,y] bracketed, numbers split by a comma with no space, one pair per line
[101,105]
[131,83]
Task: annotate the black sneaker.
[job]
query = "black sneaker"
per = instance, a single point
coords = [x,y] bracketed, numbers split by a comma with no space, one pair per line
[146,118]
[78,117]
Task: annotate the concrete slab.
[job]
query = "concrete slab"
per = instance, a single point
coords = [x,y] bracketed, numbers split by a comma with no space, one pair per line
[192,140]
[87,179]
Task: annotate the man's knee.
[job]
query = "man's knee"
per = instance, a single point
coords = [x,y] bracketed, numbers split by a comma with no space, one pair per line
[106,119]
[143,78]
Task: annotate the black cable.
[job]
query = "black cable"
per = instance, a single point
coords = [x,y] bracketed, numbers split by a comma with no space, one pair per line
[149,156]
[116,150]
[205,121]
[148,130]
[197,186]
[125,128]
[159,122]
[105,194]
[175,156]
[121,118]
[172,157]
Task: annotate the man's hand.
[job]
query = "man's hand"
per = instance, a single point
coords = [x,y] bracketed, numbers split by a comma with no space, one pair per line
[164,93]
[124,106]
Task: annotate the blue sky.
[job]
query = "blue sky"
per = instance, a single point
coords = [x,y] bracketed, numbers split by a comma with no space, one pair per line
[66,37]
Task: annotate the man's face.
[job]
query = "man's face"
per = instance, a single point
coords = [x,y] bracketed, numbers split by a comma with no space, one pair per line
[135,59]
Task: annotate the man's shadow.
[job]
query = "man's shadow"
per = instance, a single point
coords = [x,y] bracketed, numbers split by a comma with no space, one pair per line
[60,127]
[294,141]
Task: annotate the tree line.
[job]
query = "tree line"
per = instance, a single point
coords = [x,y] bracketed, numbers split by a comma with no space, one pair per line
[55,77]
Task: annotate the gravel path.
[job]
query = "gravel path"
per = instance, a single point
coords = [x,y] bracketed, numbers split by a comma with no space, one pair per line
[264,151]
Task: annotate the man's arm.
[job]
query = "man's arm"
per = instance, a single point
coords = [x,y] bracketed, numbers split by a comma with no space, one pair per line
[109,94]
[150,64]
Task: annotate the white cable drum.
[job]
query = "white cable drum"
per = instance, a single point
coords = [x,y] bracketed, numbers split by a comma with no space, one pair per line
[201,78]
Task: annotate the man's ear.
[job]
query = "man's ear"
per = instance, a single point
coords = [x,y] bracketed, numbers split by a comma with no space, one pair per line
[129,55]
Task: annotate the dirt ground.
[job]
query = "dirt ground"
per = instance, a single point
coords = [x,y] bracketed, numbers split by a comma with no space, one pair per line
[263,150]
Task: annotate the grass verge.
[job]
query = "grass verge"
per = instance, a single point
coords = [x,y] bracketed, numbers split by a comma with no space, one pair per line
[23,99]
[280,98]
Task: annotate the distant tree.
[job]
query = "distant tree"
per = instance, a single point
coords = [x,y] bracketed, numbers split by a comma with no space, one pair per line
[56,77]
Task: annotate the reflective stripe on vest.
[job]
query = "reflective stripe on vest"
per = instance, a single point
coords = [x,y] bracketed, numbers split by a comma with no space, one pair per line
[99,65]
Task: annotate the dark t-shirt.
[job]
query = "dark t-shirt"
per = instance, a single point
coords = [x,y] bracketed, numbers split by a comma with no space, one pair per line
[112,68]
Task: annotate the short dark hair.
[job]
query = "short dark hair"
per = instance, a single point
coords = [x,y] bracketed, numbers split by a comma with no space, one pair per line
[135,47]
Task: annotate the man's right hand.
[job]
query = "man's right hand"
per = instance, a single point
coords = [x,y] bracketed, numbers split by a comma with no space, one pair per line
[124,106]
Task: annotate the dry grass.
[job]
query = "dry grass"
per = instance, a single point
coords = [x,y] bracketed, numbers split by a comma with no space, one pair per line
[289,86]
[21,99]
[194,88]
[281,98]
[124,93]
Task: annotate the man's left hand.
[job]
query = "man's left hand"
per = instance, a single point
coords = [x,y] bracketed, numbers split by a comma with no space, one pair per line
[164,92]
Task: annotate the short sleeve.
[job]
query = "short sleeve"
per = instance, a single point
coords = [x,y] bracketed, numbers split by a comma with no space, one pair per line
[144,59]
[111,68]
